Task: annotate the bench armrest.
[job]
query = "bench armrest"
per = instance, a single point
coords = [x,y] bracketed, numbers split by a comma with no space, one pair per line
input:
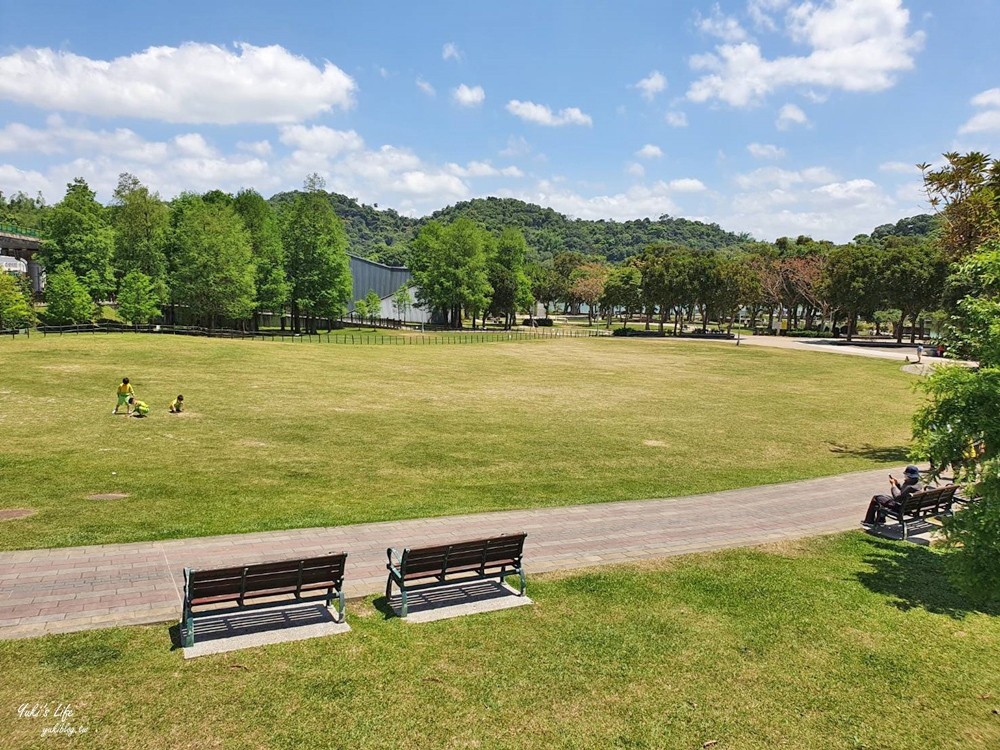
[395,559]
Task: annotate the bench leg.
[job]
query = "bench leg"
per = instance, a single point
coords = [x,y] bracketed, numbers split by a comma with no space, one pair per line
[520,573]
[905,529]
[341,609]
[187,626]
[403,607]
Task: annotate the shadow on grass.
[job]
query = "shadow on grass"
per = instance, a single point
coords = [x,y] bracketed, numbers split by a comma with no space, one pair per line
[382,605]
[174,631]
[913,577]
[883,454]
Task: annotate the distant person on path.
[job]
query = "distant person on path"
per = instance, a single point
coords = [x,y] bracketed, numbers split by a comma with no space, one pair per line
[920,352]
[177,405]
[125,394]
[141,407]
[879,503]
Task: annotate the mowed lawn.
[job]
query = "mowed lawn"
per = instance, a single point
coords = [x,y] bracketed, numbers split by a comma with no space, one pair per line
[835,642]
[282,435]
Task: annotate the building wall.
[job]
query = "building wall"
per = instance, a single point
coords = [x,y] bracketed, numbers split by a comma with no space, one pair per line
[368,275]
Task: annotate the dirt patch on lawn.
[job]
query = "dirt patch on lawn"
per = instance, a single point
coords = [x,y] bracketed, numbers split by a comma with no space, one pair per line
[253,444]
[654,443]
[12,514]
[108,496]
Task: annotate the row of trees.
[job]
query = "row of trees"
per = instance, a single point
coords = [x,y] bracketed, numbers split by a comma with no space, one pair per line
[217,256]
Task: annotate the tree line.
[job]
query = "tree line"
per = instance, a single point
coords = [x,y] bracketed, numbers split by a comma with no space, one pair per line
[219,257]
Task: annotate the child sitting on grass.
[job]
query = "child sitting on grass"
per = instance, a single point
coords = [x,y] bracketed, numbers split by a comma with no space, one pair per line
[141,408]
[177,405]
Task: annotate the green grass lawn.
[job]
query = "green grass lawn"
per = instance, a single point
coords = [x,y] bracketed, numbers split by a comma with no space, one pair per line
[282,435]
[837,642]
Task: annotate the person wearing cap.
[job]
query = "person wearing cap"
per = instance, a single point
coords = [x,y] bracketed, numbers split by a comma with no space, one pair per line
[900,491]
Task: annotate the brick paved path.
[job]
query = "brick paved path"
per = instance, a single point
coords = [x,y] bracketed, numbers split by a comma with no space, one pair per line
[68,589]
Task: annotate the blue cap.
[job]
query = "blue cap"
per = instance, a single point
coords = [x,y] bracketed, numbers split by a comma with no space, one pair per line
[911,471]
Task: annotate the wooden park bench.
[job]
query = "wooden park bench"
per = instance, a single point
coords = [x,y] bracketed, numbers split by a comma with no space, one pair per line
[929,503]
[314,575]
[432,567]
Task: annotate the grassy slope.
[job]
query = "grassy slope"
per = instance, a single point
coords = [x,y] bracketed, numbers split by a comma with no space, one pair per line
[837,642]
[294,435]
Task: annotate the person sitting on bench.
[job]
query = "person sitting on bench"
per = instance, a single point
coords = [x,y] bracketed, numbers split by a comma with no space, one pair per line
[910,484]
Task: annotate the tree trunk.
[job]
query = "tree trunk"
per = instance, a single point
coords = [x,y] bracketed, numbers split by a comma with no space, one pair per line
[851,321]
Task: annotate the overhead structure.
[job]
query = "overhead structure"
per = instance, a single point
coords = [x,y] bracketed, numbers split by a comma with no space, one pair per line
[22,244]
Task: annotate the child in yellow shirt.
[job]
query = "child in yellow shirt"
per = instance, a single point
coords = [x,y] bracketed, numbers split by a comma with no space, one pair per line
[125,394]
[177,405]
[141,407]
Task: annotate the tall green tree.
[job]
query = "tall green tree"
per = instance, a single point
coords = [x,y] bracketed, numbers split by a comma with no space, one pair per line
[316,260]
[965,191]
[15,307]
[587,285]
[138,299]
[402,301]
[508,276]
[913,273]
[261,222]
[852,281]
[78,233]
[67,299]
[142,225]
[545,284]
[622,292]
[214,272]
[450,271]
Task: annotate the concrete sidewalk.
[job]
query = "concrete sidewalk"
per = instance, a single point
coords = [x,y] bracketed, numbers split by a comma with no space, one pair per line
[69,589]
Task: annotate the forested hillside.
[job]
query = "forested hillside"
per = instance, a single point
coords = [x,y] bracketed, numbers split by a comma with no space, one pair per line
[383,235]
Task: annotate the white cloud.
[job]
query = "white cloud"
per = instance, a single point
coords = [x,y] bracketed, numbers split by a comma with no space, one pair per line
[987,121]
[990,98]
[854,45]
[637,202]
[425,87]
[261,148]
[194,145]
[543,115]
[450,51]
[649,151]
[898,167]
[483,169]
[193,83]
[686,185]
[319,139]
[676,119]
[765,151]
[384,72]
[772,202]
[774,177]
[790,115]
[760,12]
[635,169]
[59,138]
[722,26]
[651,85]
[516,146]
[469,96]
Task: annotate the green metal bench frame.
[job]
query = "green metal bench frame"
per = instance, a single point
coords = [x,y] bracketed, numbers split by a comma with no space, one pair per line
[928,503]
[270,579]
[474,560]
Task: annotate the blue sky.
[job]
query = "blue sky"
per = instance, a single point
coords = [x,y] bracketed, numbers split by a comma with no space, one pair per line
[775,117]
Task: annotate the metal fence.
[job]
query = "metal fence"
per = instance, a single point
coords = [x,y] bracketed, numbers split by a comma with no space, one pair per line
[331,337]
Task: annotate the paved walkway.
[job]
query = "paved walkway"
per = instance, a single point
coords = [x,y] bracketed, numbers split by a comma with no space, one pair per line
[77,588]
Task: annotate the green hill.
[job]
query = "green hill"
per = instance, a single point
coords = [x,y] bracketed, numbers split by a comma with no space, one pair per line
[384,234]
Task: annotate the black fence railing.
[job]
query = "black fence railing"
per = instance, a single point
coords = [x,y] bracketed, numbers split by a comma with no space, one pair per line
[333,337]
